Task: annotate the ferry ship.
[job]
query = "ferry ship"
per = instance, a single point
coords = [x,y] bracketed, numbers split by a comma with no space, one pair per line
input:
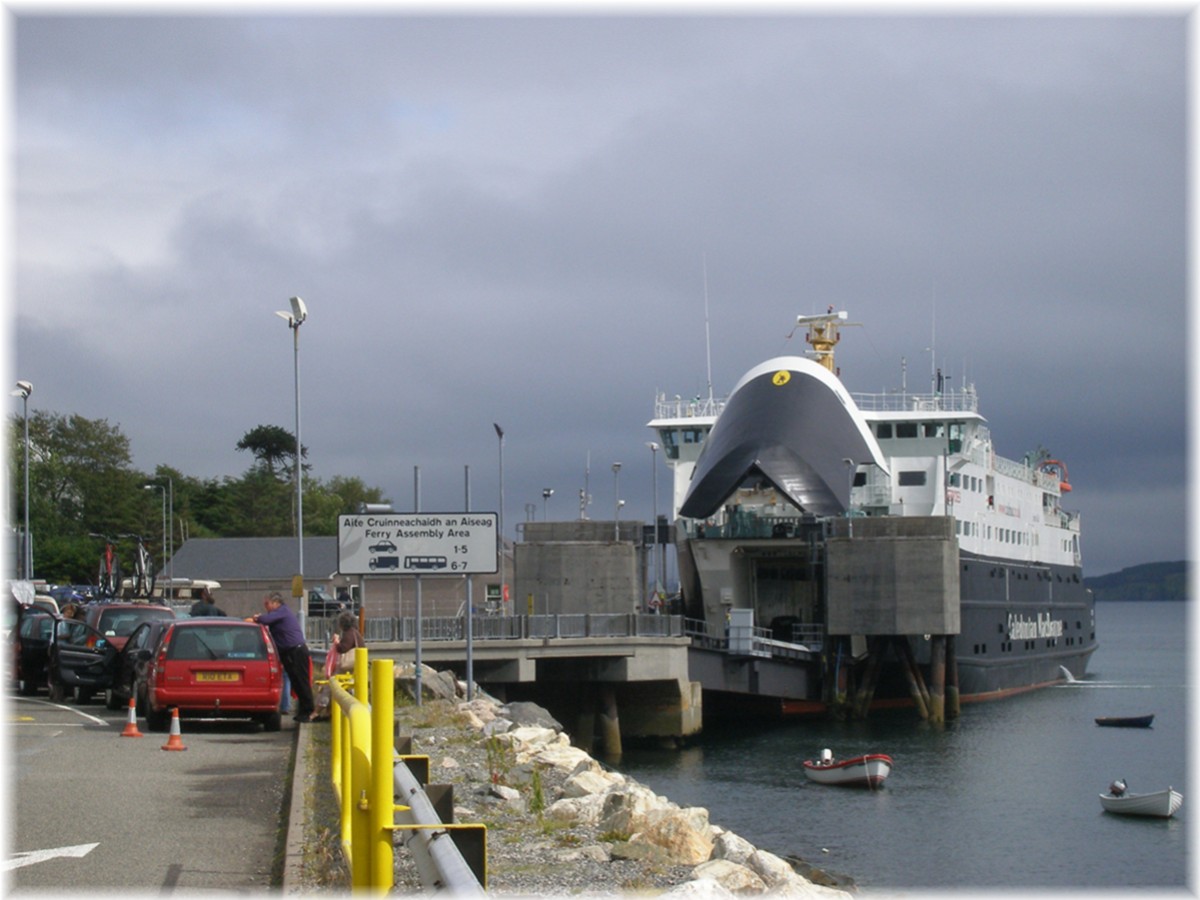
[881,535]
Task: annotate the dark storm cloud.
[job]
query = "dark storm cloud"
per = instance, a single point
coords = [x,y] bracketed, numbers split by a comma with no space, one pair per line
[512,219]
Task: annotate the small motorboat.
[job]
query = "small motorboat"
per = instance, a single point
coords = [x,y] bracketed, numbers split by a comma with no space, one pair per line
[1161,804]
[1125,721]
[868,770]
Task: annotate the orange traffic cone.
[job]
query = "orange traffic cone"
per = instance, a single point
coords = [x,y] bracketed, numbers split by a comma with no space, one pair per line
[175,739]
[131,729]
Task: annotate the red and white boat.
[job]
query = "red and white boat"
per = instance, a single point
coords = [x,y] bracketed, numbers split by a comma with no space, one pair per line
[868,770]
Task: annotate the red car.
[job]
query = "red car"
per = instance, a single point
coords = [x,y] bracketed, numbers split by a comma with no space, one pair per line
[211,668]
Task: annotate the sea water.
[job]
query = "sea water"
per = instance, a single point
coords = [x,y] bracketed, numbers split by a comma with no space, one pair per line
[1004,797]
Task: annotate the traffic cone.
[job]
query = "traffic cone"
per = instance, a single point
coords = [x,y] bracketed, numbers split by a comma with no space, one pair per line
[175,739]
[131,729]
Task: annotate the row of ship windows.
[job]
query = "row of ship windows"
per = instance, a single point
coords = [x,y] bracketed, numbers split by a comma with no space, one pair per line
[1004,535]
[1007,646]
[886,430]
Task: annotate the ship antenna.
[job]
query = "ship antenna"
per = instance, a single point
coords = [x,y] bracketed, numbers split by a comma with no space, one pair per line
[707,338]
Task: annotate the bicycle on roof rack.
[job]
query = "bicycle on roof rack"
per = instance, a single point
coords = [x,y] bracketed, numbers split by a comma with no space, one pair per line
[142,582]
[108,579]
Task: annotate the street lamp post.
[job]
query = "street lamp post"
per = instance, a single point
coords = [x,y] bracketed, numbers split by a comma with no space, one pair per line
[500,517]
[654,506]
[295,318]
[24,389]
[547,493]
[616,467]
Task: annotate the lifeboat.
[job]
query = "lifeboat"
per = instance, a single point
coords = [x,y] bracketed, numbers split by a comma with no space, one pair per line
[1058,467]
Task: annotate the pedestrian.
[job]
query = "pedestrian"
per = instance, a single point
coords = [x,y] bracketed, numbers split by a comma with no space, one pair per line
[340,659]
[293,651]
[205,606]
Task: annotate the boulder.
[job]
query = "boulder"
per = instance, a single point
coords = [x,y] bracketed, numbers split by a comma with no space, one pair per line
[591,781]
[592,853]
[630,808]
[729,846]
[775,871]
[576,810]
[698,889]
[567,759]
[684,834]
[732,876]
[524,713]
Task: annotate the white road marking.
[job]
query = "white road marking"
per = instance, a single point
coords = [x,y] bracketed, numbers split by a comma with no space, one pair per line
[29,857]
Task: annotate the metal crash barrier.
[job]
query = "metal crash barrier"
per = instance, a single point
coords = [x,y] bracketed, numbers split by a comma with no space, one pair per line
[447,856]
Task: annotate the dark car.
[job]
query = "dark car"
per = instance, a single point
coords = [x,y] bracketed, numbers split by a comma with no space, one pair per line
[132,661]
[116,621]
[211,668]
[322,606]
[31,649]
[383,547]
[81,661]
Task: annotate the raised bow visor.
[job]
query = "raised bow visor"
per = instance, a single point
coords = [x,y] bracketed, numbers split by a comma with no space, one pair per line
[789,420]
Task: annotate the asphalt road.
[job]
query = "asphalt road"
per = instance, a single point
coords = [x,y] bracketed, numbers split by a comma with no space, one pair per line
[207,818]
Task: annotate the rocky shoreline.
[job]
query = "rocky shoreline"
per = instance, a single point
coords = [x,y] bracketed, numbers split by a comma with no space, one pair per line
[561,823]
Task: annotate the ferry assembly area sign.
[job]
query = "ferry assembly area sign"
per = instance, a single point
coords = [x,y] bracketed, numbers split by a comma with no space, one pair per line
[417,544]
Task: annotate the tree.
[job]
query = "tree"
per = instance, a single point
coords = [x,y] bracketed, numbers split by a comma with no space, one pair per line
[272,446]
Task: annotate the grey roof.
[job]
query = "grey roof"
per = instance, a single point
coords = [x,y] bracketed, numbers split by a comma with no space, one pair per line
[791,422]
[255,558]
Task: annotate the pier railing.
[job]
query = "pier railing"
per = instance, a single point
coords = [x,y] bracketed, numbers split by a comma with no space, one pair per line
[510,628]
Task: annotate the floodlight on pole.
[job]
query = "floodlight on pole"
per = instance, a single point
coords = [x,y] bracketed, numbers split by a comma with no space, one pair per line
[163,488]
[295,319]
[654,506]
[616,467]
[500,523]
[23,390]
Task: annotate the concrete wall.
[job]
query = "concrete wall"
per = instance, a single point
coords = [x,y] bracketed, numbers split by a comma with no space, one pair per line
[893,576]
[577,567]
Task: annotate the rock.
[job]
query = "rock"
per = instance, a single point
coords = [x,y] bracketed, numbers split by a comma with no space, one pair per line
[732,876]
[629,809]
[510,796]
[684,834]
[729,846]
[590,782]
[496,726]
[566,759]
[641,852]
[699,889]
[576,810]
[523,713]
[774,870]
[592,852]
[449,762]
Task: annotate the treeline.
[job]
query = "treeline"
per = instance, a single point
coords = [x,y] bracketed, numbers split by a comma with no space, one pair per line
[82,482]
[1151,581]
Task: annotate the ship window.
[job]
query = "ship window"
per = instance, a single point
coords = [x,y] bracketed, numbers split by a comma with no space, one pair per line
[935,429]
[906,429]
[692,436]
[670,439]
[955,479]
[860,479]
[912,479]
[883,430]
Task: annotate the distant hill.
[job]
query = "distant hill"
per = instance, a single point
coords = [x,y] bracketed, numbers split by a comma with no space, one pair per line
[1152,581]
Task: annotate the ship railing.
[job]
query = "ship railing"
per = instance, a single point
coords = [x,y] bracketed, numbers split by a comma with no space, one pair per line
[696,408]
[806,639]
[745,524]
[966,400]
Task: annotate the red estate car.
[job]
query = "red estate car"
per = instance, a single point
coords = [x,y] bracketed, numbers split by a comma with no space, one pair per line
[211,668]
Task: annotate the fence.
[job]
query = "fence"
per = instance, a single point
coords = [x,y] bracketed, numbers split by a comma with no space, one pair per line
[367,774]
[501,628]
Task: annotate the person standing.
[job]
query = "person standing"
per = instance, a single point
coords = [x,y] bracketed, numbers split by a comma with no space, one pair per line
[293,651]
[205,606]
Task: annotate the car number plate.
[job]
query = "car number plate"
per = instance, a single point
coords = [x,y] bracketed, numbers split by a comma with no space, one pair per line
[218,676]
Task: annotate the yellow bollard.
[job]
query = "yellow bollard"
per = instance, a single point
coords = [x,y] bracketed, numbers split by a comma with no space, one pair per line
[383,790]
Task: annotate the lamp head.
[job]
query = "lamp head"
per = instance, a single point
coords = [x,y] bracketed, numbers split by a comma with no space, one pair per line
[24,389]
[299,311]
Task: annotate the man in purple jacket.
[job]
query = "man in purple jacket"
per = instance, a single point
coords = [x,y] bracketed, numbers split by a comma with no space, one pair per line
[293,651]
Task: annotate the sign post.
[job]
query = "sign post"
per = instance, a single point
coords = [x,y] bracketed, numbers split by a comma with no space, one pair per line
[417,544]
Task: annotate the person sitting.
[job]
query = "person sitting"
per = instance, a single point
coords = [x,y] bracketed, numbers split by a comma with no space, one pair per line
[205,606]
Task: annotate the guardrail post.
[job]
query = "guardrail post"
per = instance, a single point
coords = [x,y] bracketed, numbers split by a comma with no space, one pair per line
[382,792]
[361,669]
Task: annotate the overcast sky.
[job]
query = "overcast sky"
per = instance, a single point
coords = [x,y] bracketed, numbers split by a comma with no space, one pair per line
[509,219]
